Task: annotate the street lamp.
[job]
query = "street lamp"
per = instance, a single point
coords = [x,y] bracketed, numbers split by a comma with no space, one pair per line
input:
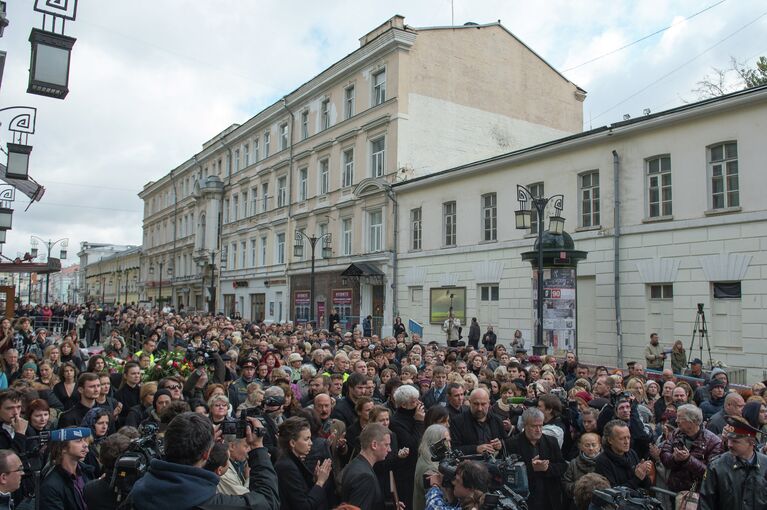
[523,217]
[161,263]
[51,50]
[298,252]
[49,246]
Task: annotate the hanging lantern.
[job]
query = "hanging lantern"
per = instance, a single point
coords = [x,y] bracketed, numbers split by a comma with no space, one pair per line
[6,218]
[18,161]
[49,67]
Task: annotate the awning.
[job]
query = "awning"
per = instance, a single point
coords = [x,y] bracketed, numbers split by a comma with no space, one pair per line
[358,269]
[52,266]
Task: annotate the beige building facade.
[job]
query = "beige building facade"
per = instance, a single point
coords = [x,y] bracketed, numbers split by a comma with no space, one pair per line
[114,279]
[322,160]
[685,187]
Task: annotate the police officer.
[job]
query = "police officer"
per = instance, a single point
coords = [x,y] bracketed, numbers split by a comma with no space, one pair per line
[736,479]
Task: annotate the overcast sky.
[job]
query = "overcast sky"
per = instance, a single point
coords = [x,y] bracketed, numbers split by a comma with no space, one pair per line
[151,80]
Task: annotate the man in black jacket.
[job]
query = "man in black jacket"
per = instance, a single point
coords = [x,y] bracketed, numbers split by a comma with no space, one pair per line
[437,394]
[344,408]
[407,426]
[12,425]
[89,386]
[62,484]
[360,486]
[543,460]
[477,430]
[626,410]
[455,396]
[181,483]
[618,462]
[98,495]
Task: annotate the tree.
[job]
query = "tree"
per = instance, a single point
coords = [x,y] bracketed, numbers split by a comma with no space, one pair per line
[736,77]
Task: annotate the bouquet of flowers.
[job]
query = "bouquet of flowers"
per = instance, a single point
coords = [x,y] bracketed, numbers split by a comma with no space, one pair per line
[168,364]
[114,365]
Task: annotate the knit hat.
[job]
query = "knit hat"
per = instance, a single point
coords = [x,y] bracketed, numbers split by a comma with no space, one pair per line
[159,394]
[717,371]
[751,413]
[31,365]
[585,395]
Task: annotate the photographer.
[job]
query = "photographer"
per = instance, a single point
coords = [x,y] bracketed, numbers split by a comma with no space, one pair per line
[543,460]
[689,450]
[180,482]
[98,495]
[471,481]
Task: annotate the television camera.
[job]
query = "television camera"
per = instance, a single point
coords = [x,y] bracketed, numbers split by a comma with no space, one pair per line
[134,462]
[624,498]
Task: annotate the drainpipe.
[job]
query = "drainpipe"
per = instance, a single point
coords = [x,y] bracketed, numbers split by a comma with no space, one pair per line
[175,233]
[290,200]
[616,255]
[392,196]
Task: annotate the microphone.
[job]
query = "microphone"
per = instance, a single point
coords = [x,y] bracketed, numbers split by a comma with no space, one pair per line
[69,434]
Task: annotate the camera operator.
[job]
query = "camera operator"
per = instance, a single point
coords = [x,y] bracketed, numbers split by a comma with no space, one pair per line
[623,407]
[98,495]
[11,471]
[543,460]
[689,450]
[14,427]
[477,430]
[63,480]
[470,484]
[180,482]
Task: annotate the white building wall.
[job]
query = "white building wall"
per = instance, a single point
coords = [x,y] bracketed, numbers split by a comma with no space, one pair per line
[690,251]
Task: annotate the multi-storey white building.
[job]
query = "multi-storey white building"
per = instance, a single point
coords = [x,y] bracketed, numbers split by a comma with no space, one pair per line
[321,161]
[668,207]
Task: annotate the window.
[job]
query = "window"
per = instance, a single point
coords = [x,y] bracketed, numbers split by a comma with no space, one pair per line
[246,153]
[448,223]
[300,240]
[255,150]
[377,152]
[662,291]
[537,191]
[283,137]
[228,165]
[304,124]
[415,229]
[726,316]
[347,172]
[235,207]
[254,200]
[226,210]
[244,204]
[346,235]
[723,169]
[416,295]
[379,87]
[233,265]
[263,251]
[659,186]
[375,231]
[589,188]
[243,253]
[267,141]
[323,177]
[726,290]
[282,191]
[253,253]
[236,160]
[281,248]
[303,177]
[325,114]
[325,241]
[349,102]
[264,196]
[488,292]
[489,217]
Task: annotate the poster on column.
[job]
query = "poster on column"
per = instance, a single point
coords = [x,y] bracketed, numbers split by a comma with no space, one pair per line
[559,308]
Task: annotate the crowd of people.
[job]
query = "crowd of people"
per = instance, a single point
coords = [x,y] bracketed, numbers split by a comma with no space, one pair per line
[254,415]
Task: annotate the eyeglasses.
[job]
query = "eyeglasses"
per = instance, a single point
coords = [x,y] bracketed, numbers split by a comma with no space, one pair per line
[173,387]
[19,470]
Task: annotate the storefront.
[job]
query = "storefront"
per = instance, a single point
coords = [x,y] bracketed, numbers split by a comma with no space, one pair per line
[332,291]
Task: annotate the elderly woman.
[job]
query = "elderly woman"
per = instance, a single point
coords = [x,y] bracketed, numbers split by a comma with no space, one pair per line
[219,409]
[431,436]
[689,450]
[407,426]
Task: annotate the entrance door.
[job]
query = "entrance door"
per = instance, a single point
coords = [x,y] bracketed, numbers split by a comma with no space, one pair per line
[378,308]
[257,307]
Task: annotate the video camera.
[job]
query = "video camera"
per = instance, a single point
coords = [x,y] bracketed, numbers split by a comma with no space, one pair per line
[134,462]
[239,427]
[624,498]
[202,355]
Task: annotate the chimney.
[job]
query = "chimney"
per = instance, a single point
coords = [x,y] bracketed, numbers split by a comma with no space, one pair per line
[395,21]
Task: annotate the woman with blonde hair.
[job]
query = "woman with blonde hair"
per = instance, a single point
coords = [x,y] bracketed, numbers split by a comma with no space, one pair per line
[431,436]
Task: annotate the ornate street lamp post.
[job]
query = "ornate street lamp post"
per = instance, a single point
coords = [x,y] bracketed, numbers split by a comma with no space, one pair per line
[298,252]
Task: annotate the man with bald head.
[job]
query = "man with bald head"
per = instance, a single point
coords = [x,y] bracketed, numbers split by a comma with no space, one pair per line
[733,406]
[476,429]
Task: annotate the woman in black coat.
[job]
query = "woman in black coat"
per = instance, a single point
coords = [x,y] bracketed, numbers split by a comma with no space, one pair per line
[299,488]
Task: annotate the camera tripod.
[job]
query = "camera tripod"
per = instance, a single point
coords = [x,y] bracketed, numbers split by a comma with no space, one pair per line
[700,329]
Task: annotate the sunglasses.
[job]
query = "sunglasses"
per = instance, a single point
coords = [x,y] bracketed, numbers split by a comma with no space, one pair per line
[173,387]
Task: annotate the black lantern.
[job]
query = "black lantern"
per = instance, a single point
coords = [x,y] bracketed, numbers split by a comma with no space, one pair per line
[2,236]
[63,254]
[6,218]
[49,66]
[18,161]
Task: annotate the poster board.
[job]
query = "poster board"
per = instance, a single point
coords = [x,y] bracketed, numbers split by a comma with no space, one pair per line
[559,309]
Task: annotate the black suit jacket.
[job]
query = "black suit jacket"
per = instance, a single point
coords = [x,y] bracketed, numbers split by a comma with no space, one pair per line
[430,400]
[360,486]
[545,486]
[466,433]
[344,411]
[408,431]
[297,488]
